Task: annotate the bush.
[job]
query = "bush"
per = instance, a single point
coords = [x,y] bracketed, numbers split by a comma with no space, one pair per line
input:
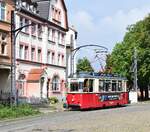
[17,111]
[53,100]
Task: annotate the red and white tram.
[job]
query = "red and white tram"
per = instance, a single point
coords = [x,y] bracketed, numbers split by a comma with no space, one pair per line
[92,90]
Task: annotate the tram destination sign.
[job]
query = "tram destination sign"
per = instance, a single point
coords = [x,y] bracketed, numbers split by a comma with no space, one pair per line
[109,97]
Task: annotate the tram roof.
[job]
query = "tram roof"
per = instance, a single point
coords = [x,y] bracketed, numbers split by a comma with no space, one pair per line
[98,75]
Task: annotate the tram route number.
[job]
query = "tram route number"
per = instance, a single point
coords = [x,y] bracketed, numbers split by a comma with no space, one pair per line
[109,97]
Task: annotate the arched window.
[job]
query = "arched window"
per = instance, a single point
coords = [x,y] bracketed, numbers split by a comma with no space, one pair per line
[55,84]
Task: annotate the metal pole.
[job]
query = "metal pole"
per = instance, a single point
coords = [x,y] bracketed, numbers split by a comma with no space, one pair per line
[13,61]
[135,70]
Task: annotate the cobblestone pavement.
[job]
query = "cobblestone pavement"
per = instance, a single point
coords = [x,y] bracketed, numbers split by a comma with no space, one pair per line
[132,118]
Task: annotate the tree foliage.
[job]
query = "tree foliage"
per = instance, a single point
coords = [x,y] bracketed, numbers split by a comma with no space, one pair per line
[121,58]
[84,65]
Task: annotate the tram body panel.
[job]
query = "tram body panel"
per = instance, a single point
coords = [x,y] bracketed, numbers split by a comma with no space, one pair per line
[96,100]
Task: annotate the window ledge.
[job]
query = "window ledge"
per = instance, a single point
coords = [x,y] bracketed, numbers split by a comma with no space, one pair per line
[4,56]
[57,21]
[25,32]
[56,91]
[39,37]
[60,44]
[6,22]
[33,35]
[51,41]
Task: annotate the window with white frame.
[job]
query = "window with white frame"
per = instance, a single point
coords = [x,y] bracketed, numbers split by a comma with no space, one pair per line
[2,11]
[26,53]
[32,54]
[53,11]
[48,57]
[49,34]
[62,60]
[59,15]
[21,21]
[39,30]
[53,35]
[33,29]
[59,37]
[27,28]
[58,61]
[55,83]
[39,55]
[63,39]
[21,51]
[53,58]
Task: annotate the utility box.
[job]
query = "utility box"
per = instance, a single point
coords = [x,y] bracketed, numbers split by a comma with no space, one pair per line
[133,97]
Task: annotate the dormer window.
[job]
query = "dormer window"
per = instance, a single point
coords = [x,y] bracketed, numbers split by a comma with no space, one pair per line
[24,4]
[34,9]
[31,8]
[56,14]
[27,6]
[59,15]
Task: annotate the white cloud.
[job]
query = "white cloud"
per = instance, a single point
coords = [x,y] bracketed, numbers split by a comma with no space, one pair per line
[112,26]
[84,21]
[119,21]
[106,30]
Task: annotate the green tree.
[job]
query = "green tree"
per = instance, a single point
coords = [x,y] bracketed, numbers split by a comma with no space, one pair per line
[84,65]
[121,58]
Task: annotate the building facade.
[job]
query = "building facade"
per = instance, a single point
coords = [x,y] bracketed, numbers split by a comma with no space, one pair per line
[71,45]
[6,6]
[41,49]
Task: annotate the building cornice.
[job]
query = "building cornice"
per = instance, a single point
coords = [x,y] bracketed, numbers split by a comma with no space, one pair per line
[39,63]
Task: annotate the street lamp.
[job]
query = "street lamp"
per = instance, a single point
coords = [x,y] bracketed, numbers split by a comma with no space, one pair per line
[14,34]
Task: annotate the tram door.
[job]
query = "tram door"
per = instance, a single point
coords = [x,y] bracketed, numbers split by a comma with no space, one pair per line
[90,85]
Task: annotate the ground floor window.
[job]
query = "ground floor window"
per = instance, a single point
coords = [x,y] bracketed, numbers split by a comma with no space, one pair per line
[56,83]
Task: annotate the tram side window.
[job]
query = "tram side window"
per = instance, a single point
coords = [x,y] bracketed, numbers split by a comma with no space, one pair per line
[80,86]
[107,86]
[114,85]
[101,85]
[119,85]
[74,87]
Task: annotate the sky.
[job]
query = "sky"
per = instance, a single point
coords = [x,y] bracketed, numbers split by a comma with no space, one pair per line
[104,22]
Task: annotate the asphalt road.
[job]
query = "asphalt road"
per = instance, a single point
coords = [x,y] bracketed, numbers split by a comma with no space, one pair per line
[132,118]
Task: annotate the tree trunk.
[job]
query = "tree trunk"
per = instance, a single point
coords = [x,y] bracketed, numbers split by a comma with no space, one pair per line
[142,94]
[146,93]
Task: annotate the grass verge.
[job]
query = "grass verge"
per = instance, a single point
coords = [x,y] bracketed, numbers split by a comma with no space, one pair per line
[7,112]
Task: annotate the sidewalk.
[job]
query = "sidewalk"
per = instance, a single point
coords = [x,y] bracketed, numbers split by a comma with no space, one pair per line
[52,108]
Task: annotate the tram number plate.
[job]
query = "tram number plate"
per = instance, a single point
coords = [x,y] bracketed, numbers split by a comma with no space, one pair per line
[109,97]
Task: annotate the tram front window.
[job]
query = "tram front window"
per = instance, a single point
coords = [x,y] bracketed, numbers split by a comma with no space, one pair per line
[74,87]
